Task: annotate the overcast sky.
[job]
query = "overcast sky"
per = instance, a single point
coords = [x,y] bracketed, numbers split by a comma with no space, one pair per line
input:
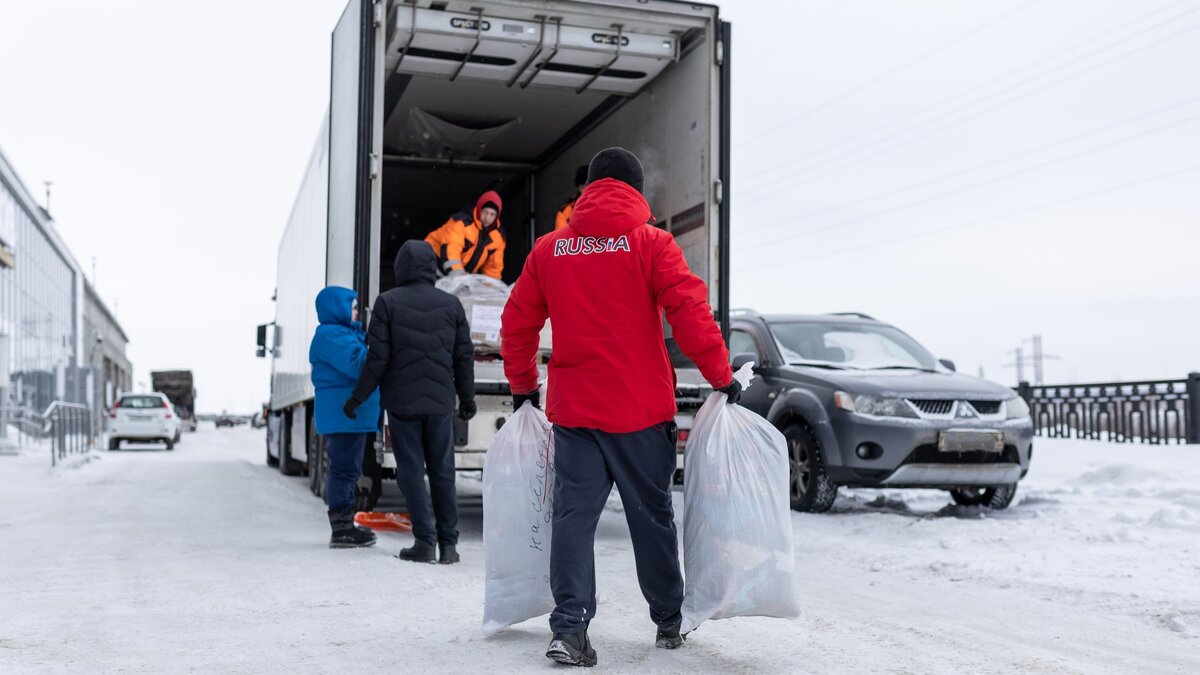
[972,172]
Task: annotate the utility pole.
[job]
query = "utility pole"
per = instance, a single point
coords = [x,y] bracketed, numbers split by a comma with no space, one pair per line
[1019,363]
[1039,359]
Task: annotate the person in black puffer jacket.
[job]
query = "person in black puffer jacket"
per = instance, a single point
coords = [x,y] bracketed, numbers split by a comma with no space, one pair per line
[419,354]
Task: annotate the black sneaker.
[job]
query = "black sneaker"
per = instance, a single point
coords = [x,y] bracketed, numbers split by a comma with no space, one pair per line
[447,555]
[669,638]
[352,539]
[572,649]
[420,551]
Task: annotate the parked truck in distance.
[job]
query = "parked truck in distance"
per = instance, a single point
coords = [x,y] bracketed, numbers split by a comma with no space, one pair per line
[178,387]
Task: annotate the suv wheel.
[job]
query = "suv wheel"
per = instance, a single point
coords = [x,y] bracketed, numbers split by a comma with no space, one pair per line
[810,489]
[995,497]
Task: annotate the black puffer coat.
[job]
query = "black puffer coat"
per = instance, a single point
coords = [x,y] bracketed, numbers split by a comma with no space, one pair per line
[419,350]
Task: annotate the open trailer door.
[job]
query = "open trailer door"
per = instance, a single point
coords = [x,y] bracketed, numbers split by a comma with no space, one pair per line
[355,134]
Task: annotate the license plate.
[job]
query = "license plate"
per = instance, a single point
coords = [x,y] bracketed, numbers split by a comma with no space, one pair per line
[141,418]
[970,440]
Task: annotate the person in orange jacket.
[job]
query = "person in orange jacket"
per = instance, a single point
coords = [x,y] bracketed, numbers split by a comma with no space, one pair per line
[564,212]
[471,243]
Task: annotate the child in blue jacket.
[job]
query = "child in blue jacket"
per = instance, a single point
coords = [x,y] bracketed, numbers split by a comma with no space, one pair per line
[337,354]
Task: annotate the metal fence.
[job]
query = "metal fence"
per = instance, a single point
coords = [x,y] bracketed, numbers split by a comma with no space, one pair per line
[70,428]
[25,424]
[1157,412]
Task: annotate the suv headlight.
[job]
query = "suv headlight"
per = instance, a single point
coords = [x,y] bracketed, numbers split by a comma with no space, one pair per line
[1016,408]
[873,405]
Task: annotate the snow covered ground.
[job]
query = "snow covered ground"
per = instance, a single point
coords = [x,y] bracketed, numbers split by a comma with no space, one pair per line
[205,560]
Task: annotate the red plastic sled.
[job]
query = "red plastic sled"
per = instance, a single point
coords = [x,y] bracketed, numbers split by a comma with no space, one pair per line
[383,522]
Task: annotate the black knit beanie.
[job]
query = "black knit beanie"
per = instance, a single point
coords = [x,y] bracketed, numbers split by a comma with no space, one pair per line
[617,163]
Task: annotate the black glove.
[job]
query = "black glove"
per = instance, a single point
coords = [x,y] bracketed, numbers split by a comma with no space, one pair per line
[733,390]
[467,409]
[349,408]
[534,397]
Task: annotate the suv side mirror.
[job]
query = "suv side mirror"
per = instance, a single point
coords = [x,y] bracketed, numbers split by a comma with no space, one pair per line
[740,360]
[948,364]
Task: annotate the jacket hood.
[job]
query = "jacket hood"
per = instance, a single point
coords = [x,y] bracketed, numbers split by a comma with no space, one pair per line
[489,196]
[608,208]
[333,305]
[415,263]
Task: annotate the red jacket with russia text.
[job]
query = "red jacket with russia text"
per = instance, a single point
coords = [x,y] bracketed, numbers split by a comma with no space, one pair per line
[604,281]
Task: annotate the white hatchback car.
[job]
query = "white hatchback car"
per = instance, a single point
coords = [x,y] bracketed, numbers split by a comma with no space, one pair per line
[142,418]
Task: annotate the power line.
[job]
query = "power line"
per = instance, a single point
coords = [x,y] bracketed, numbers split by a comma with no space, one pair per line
[1032,65]
[1035,65]
[908,141]
[1000,160]
[759,266]
[893,72]
[982,183]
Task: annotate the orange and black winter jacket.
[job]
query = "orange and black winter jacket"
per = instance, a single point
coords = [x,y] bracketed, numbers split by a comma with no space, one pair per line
[457,242]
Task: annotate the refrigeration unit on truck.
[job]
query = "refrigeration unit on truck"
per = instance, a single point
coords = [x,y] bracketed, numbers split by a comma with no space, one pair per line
[433,103]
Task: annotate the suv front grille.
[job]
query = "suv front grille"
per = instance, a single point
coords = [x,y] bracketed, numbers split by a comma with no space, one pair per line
[986,407]
[932,406]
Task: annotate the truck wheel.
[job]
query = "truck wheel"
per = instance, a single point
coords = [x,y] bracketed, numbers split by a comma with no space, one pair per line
[997,497]
[810,489]
[316,458]
[287,465]
[324,475]
[366,497]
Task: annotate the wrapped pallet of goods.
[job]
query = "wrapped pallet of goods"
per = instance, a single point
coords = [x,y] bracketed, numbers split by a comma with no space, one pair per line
[483,299]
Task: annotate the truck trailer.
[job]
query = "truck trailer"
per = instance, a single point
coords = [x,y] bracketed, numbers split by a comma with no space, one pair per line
[434,102]
[178,387]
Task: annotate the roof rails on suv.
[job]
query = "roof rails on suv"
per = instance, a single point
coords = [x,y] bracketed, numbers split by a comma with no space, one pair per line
[859,315]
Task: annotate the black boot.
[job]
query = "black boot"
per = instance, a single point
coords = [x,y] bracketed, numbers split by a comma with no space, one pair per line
[572,649]
[447,555]
[420,551]
[668,638]
[346,534]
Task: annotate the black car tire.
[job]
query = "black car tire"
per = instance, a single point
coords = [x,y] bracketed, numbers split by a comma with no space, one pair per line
[114,444]
[809,487]
[997,497]
[316,459]
[169,443]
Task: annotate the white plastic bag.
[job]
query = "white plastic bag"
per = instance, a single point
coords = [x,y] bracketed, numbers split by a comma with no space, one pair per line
[737,527]
[518,485]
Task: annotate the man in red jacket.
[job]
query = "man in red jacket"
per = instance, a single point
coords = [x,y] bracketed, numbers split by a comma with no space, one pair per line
[605,281]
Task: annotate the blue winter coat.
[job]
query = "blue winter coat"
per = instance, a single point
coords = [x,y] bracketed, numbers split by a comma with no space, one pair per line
[337,354]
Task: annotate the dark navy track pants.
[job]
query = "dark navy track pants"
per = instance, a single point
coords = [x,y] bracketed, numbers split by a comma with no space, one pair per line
[586,464]
[425,444]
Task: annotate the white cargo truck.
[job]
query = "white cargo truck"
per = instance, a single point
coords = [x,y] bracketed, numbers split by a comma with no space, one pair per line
[432,103]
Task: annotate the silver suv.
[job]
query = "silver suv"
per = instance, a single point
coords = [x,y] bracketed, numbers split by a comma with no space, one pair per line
[863,404]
